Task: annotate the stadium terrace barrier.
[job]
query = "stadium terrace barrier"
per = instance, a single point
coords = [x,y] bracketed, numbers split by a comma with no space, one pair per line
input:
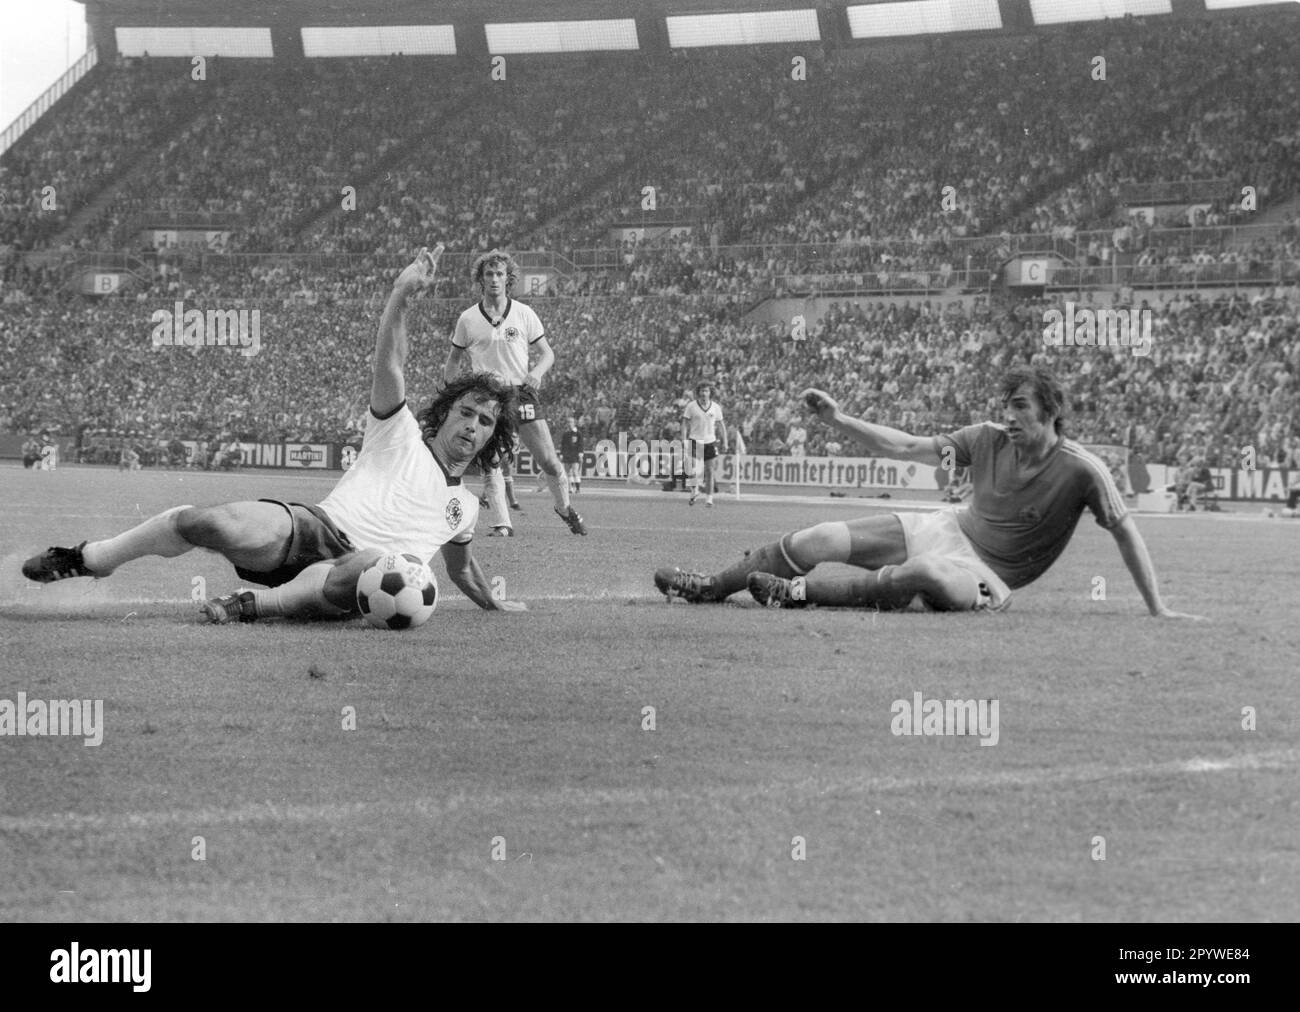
[28,117]
[970,259]
[1180,191]
[1189,276]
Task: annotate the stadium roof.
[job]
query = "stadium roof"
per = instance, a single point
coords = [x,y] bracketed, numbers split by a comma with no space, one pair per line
[362,12]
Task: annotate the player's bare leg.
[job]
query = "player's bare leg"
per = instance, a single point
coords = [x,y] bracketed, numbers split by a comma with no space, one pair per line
[251,535]
[936,582]
[537,437]
[510,492]
[868,542]
[508,476]
[325,589]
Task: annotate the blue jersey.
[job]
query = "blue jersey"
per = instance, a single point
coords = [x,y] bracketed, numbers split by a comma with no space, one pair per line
[1020,519]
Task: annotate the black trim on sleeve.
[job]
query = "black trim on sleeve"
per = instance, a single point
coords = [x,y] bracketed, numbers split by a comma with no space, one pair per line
[537,338]
[383,418]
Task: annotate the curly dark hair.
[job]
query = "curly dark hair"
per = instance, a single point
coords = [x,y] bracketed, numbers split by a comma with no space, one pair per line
[489,387]
[496,256]
[1050,395]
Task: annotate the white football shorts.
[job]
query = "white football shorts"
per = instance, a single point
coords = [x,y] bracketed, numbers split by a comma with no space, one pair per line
[938,534]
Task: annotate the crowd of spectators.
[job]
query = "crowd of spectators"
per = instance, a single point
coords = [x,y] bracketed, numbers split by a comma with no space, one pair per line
[102,126]
[891,169]
[1221,374]
[886,160]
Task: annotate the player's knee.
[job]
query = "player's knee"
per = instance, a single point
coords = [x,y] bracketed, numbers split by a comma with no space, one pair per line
[945,586]
[828,542]
[340,588]
[205,526]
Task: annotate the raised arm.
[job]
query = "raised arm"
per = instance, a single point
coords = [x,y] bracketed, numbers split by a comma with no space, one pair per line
[881,440]
[388,385]
[465,573]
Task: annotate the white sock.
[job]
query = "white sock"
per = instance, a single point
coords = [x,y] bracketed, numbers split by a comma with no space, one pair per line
[559,491]
[301,597]
[156,536]
[498,508]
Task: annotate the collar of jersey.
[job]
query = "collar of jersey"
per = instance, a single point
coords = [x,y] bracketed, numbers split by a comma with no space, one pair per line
[509,304]
[450,480]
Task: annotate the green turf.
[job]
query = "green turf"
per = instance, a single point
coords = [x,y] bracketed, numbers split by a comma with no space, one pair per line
[769,726]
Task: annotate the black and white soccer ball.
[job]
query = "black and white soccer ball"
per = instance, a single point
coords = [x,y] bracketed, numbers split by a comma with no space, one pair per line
[397,592]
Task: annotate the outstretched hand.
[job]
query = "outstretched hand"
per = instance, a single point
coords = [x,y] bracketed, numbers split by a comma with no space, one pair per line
[417,276]
[822,404]
[1169,613]
[511,606]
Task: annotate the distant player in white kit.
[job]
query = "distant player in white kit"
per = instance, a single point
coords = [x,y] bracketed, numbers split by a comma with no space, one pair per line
[704,431]
[403,494]
[495,335]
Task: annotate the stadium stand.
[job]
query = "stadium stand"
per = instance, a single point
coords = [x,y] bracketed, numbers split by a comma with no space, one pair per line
[779,188]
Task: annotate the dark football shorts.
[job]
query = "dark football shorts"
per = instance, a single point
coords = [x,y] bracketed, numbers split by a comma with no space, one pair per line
[704,451]
[528,406]
[314,539]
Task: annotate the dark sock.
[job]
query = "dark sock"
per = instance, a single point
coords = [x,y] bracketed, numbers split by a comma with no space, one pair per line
[768,559]
[871,589]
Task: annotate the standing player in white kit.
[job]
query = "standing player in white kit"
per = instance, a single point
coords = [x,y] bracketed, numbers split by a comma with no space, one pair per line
[495,335]
[704,432]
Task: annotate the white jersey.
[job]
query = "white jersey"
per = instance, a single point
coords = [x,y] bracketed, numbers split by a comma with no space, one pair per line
[702,424]
[396,497]
[499,347]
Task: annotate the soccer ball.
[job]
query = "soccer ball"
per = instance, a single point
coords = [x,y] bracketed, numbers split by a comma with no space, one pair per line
[397,592]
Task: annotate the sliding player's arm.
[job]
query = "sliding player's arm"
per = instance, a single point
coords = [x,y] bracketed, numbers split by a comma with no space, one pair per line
[1134,552]
[465,573]
[881,440]
[388,386]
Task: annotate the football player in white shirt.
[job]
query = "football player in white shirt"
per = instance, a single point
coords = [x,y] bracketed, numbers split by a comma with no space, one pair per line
[701,424]
[403,494]
[495,335]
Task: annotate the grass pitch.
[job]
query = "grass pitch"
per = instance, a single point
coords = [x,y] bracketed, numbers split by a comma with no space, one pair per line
[500,767]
